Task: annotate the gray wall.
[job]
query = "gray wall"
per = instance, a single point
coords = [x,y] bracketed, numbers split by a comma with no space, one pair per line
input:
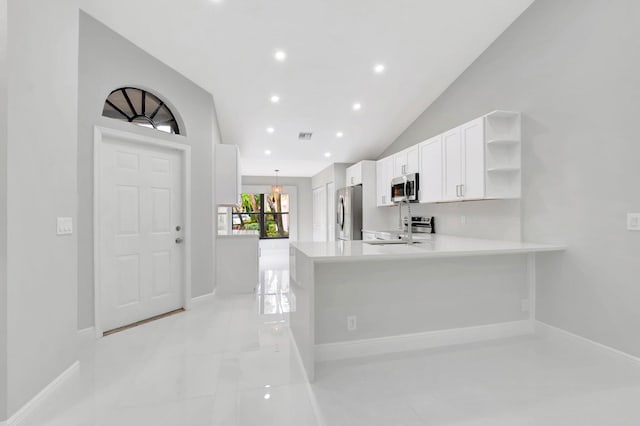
[42,89]
[3,209]
[107,62]
[573,69]
[305,196]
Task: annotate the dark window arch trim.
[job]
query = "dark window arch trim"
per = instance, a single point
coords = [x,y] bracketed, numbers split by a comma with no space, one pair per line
[141,107]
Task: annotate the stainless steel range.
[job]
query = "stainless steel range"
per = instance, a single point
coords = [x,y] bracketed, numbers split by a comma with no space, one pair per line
[421,224]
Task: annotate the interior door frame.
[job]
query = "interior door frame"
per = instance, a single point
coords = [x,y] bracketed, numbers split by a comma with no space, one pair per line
[144,141]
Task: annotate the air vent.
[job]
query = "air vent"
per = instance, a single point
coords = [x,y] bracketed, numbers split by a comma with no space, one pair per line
[305,136]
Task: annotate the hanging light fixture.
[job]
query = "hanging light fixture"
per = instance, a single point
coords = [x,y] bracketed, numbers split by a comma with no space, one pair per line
[276,189]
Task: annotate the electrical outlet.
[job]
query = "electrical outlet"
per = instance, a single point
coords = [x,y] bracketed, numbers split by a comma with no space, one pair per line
[64,226]
[351,323]
[524,305]
[633,221]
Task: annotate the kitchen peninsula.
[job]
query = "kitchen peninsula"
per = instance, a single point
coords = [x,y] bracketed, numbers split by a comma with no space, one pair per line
[353,298]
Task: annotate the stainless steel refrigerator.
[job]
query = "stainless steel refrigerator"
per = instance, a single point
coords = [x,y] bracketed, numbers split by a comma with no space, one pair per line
[349,213]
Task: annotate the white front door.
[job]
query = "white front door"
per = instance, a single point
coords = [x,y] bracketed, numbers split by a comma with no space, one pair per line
[141,226]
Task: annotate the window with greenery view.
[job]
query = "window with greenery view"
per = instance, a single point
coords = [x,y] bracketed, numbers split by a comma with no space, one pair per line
[266,214]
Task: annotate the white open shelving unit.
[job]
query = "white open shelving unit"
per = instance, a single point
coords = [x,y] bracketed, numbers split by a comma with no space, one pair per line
[503,155]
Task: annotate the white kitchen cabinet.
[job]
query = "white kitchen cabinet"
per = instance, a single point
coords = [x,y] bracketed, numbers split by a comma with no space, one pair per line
[320,213]
[463,162]
[384,174]
[354,175]
[406,161]
[472,139]
[430,153]
[228,175]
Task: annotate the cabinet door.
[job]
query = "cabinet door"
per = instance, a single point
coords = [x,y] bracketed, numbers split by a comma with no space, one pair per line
[379,180]
[384,174]
[473,170]
[319,214]
[354,175]
[388,176]
[413,159]
[452,162]
[400,164]
[430,152]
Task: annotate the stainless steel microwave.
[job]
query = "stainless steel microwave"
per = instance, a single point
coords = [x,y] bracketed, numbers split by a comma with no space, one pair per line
[405,188]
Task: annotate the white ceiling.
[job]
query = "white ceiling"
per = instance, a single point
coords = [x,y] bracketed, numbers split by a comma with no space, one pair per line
[227,47]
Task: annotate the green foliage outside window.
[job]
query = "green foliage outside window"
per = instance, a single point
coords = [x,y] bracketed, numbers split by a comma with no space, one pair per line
[267,214]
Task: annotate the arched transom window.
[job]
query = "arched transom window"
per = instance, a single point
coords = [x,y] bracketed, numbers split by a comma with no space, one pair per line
[140,107]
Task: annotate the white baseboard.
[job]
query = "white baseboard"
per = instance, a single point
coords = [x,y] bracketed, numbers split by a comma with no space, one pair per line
[418,341]
[27,408]
[544,329]
[204,298]
[314,402]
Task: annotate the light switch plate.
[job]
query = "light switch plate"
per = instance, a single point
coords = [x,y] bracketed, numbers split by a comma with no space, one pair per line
[633,221]
[65,226]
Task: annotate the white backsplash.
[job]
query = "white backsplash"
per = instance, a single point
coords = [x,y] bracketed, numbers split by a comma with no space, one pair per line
[492,219]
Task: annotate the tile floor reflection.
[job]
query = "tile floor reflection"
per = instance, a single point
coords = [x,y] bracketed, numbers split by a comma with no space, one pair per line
[230,362]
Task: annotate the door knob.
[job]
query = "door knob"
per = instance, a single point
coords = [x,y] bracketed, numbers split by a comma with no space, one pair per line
[179,240]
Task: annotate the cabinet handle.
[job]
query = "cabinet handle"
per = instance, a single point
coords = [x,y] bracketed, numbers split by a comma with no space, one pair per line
[462,190]
[458,191]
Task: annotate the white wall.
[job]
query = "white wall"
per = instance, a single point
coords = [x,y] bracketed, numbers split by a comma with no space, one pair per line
[3,209]
[573,69]
[304,206]
[42,62]
[107,62]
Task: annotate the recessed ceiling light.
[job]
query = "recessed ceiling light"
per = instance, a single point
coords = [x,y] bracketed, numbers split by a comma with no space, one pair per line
[267,152]
[267,396]
[275,99]
[339,135]
[280,55]
[270,130]
[378,69]
[327,154]
[357,106]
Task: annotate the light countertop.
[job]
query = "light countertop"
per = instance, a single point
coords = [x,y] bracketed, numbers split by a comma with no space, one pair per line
[436,246]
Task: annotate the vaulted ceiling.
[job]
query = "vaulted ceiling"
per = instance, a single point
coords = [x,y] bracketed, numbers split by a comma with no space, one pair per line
[331,47]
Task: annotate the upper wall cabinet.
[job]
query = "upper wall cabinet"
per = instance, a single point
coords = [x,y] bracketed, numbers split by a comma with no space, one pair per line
[430,152]
[463,162]
[228,176]
[406,162]
[384,174]
[478,160]
[481,159]
[354,174]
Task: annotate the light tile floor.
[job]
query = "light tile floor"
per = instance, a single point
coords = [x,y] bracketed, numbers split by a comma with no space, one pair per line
[230,362]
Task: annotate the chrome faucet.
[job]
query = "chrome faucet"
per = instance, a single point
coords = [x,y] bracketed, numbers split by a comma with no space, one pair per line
[409,233]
